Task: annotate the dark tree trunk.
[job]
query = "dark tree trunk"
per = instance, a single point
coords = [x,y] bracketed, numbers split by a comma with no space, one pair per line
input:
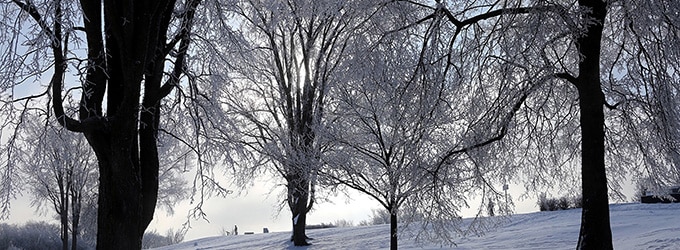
[125,206]
[75,222]
[61,205]
[64,218]
[595,230]
[120,208]
[76,203]
[393,231]
[299,195]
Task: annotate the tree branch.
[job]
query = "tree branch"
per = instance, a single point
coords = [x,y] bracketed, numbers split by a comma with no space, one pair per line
[502,132]
[568,77]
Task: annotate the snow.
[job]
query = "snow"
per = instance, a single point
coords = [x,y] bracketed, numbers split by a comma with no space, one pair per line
[634,226]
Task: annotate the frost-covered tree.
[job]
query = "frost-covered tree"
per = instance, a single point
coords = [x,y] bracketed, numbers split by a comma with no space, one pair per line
[286,60]
[594,55]
[123,57]
[59,167]
[641,82]
[404,129]
[383,120]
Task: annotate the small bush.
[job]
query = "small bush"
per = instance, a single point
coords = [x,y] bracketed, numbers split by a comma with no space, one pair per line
[344,223]
[546,204]
[563,204]
[32,235]
[577,202]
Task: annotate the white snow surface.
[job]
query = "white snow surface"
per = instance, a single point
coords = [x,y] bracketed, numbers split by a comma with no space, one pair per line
[634,226]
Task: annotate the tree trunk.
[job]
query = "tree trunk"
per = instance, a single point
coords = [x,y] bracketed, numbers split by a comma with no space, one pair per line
[393,231]
[595,230]
[128,182]
[74,233]
[64,227]
[299,195]
[76,201]
[120,207]
[63,213]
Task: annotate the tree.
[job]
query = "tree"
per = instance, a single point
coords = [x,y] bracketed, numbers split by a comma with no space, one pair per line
[123,82]
[642,86]
[405,132]
[384,119]
[571,46]
[281,74]
[599,56]
[60,170]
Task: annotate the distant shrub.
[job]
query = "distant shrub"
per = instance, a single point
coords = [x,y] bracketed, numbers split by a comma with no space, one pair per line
[546,204]
[563,203]
[153,239]
[32,235]
[43,235]
[380,217]
[344,223]
[577,202]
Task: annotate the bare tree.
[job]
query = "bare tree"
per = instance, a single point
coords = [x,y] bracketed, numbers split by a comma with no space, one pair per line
[287,60]
[572,47]
[641,86]
[384,119]
[119,51]
[59,168]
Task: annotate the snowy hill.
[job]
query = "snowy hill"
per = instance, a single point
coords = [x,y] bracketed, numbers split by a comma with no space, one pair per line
[634,226]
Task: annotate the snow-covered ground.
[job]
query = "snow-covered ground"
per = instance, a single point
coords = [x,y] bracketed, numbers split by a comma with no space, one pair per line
[634,226]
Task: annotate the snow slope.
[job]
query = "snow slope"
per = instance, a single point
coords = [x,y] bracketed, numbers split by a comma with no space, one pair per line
[634,226]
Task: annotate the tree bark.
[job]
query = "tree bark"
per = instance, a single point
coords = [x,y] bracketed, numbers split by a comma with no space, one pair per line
[120,209]
[76,202]
[299,199]
[393,231]
[63,192]
[595,232]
